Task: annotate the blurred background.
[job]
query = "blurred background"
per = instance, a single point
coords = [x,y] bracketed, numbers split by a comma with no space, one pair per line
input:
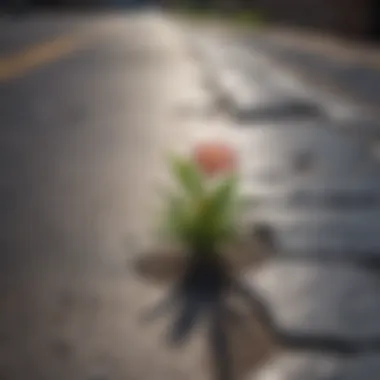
[93,93]
[348,17]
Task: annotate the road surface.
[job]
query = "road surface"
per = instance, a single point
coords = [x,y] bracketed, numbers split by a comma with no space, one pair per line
[86,109]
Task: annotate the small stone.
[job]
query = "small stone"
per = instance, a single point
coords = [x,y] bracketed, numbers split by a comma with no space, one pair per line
[320,302]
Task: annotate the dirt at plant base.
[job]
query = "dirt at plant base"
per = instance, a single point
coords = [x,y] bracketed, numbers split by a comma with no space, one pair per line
[250,343]
[164,265]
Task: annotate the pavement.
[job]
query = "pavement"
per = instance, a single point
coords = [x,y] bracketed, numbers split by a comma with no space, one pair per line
[352,72]
[311,179]
[349,68]
[340,80]
[89,106]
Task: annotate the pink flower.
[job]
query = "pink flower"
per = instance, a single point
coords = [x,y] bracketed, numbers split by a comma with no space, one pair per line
[215,158]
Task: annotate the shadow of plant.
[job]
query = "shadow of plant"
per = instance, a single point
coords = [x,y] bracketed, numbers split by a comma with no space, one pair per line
[204,296]
[168,265]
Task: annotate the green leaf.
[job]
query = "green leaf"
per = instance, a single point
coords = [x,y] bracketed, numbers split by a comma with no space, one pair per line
[224,197]
[176,219]
[201,217]
[215,219]
[188,176]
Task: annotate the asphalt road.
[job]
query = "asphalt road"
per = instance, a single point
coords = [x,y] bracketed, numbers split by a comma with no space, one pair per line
[84,118]
[75,109]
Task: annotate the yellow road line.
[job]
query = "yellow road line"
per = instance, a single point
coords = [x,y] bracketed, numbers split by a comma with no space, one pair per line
[38,55]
